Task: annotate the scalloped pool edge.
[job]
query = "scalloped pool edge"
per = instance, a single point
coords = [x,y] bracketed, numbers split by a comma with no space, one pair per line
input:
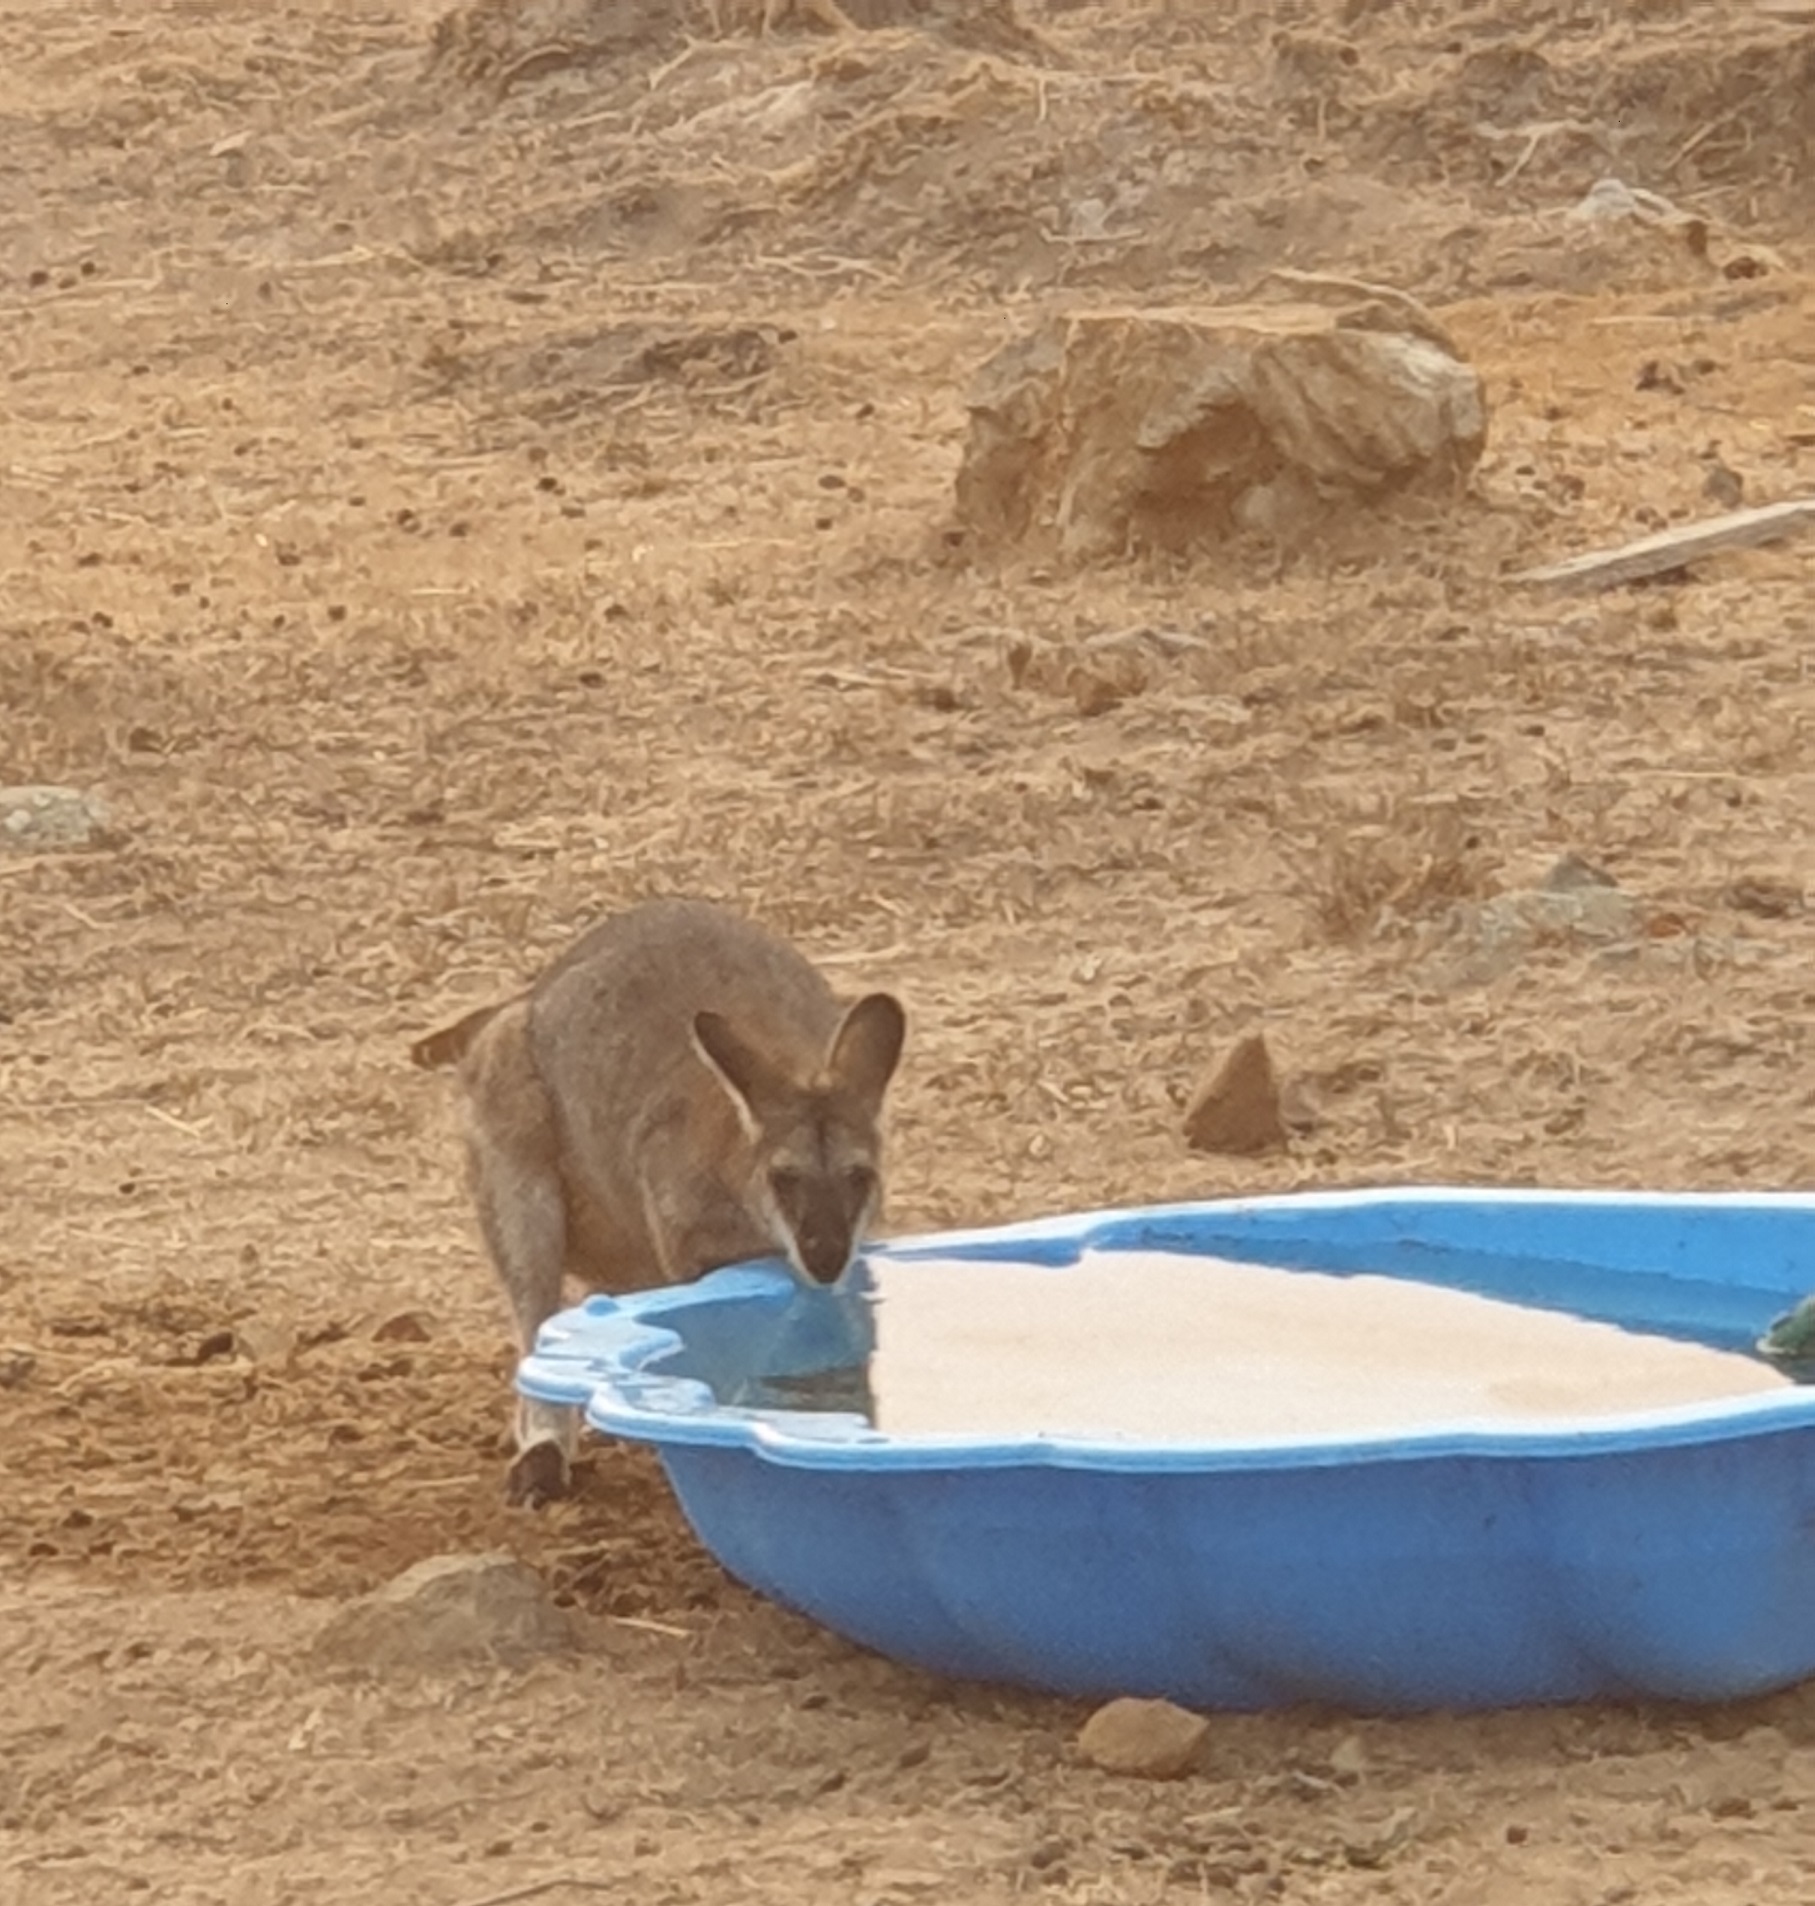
[1665,1556]
[603,1355]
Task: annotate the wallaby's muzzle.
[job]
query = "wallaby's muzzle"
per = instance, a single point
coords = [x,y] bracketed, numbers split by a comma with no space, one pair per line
[824,1251]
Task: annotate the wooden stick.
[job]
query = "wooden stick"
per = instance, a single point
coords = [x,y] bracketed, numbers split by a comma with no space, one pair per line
[645,1626]
[1674,548]
[538,1887]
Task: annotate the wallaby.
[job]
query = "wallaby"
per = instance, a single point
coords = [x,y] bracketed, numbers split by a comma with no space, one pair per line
[678,1091]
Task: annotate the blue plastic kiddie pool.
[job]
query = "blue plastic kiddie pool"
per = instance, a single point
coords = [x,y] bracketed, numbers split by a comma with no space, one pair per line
[1666,1554]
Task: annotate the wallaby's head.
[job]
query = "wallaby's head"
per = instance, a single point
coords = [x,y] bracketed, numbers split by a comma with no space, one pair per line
[815,1144]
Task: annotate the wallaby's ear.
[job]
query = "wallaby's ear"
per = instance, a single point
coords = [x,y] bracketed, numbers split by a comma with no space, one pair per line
[867,1046]
[751,1078]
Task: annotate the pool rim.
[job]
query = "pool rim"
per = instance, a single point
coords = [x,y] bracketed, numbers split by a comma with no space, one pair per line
[603,1355]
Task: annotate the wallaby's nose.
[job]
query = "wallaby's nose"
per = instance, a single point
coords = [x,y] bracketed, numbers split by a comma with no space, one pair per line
[823,1254]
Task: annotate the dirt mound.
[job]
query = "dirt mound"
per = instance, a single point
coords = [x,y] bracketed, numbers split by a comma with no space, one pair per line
[1713,101]
[994,25]
[115,1432]
[496,45]
[1144,153]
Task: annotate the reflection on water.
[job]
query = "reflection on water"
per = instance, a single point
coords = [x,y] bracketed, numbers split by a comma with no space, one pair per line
[1161,1346]
[820,1355]
[845,1390]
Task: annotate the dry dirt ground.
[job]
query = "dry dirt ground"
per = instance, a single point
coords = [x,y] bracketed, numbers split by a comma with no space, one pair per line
[459,476]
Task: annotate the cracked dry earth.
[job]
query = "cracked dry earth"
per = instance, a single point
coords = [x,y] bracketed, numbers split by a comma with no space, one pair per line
[443,495]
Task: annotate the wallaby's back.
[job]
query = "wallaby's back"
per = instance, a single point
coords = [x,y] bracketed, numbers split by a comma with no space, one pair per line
[632,984]
[611,1033]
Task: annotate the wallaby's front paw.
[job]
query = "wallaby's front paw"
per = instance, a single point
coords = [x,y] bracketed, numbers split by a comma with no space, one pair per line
[539,1474]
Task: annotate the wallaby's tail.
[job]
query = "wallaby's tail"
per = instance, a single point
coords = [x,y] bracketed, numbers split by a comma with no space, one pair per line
[449,1046]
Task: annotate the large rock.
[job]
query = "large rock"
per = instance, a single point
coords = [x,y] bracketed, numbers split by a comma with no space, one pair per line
[450,1612]
[1102,432]
[1577,905]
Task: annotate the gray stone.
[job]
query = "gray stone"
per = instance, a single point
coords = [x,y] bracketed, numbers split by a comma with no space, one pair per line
[1571,874]
[1488,939]
[263,1340]
[38,820]
[1689,954]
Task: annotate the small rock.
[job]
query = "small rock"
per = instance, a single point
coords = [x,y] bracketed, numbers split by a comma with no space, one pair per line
[450,1611]
[1572,873]
[1724,486]
[260,1340]
[1580,913]
[39,820]
[1614,199]
[1767,895]
[210,1347]
[16,1367]
[1695,953]
[1238,1110]
[1576,906]
[405,1326]
[1153,1740]
[1374,1845]
[1299,1110]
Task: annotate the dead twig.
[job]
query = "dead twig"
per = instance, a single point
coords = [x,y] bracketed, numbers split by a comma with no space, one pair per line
[644,1625]
[1534,136]
[536,1888]
[1703,134]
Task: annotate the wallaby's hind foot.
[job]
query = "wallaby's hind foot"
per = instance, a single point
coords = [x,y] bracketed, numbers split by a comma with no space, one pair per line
[539,1474]
[548,1434]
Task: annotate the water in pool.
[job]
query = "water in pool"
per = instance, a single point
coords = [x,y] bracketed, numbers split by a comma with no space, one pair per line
[1168,1347]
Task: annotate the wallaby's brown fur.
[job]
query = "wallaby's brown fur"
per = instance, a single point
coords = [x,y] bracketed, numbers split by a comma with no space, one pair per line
[678,1091]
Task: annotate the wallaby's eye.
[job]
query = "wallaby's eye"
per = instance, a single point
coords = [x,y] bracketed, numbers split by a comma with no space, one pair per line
[786,1182]
[860,1181]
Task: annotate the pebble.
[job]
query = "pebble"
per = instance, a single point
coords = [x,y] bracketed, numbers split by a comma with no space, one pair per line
[37,820]
[1238,1109]
[263,1340]
[405,1326]
[1153,1740]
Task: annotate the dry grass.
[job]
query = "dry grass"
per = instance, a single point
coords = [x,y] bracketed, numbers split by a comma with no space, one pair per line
[1397,865]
